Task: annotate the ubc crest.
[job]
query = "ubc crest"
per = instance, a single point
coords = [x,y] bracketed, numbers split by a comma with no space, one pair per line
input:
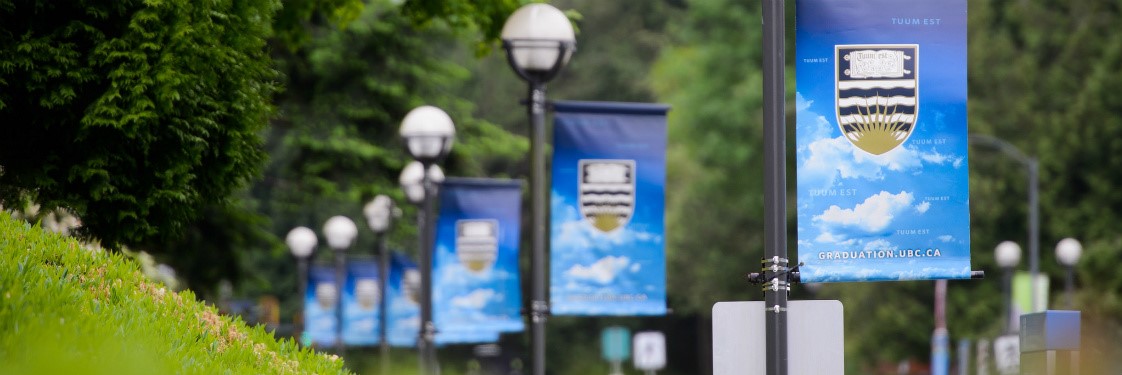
[367,293]
[411,284]
[877,94]
[607,193]
[477,243]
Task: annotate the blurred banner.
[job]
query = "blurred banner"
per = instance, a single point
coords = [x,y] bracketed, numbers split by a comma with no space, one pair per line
[881,140]
[404,293]
[609,170]
[360,303]
[476,292]
[1022,293]
[319,306]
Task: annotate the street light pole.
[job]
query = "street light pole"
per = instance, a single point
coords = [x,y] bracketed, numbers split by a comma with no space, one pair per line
[1031,169]
[428,134]
[340,232]
[428,328]
[1068,251]
[383,303]
[775,187]
[301,242]
[538,39]
[539,303]
[1008,254]
[379,216]
[412,179]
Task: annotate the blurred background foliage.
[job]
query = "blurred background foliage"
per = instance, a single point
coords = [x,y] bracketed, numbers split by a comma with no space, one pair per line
[1043,76]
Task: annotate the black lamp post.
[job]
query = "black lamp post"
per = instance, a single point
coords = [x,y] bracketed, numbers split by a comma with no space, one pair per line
[1068,251]
[340,231]
[428,133]
[539,40]
[1008,255]
[301,242]
[379,214]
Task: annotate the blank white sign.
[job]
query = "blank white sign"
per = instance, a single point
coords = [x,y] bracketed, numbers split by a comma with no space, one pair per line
[815,338]
[649,350]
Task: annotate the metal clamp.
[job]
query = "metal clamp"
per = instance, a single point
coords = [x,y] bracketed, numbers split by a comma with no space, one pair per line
[776,284]
[775,309]
[775,264]
[539,311]
[429,332]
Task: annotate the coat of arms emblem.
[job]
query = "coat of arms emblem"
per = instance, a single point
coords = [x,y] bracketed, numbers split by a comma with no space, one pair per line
[326,295]
[411,283]
[477,243]
[877,94]
[366,293]
[607,193]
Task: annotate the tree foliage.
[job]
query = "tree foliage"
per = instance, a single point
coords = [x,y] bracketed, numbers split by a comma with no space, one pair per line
[334,143]
[132,114]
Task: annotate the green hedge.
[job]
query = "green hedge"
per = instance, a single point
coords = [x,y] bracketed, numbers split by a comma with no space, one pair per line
[68,310]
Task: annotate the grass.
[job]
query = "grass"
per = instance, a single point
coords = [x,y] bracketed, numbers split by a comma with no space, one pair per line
[68,310]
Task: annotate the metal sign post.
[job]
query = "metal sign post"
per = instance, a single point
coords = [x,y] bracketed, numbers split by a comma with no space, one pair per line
[615,347]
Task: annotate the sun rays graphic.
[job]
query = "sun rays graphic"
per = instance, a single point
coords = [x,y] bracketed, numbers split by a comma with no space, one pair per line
[879,128]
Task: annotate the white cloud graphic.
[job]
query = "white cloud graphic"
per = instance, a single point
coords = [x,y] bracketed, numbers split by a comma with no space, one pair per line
[474,300]
[946,238]
[824,160]
[635,267]
[872,215]
[878,245]
[923,207]
[603,271]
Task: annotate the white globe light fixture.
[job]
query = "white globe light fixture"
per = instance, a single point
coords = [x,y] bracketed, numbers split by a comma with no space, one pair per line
[539,40]
[428,133]
[301,241]
[1008,254]
[411,180]
[340,231]
[378,213]
[1068,251]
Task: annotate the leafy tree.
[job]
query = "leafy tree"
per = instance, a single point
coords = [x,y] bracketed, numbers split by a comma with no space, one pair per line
[1044,77]
[714,197]
[133,115]
[335,144]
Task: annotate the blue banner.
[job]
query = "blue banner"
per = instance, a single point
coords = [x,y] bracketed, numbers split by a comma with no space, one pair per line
[319,306]
[361,302]
[607,252]
[404,293]
[881,140]
[476,292]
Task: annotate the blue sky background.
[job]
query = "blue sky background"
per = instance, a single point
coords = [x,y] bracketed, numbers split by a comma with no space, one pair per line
[319,323]
[360,326]
[622,272]
[913,197]
[471,307]
[404,318]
